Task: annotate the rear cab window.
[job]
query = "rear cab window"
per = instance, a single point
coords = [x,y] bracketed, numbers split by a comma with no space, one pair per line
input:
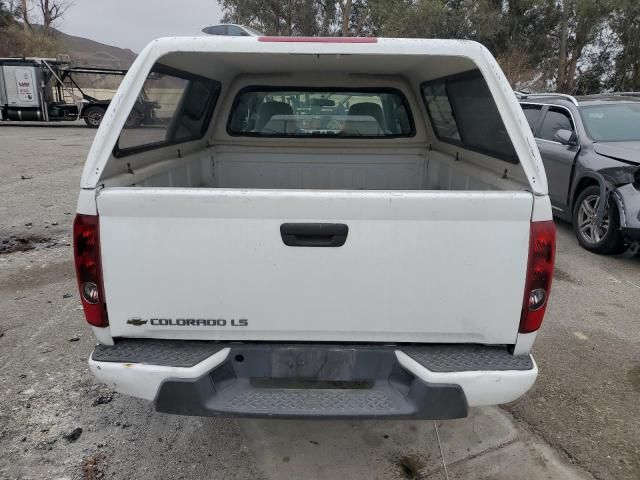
[172,107]
[463,112]
[306,112]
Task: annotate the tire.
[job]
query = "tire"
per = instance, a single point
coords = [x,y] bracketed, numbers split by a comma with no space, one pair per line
[604,240]
[93,116]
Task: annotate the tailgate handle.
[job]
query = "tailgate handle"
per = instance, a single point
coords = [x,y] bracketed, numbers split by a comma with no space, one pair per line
[314,234]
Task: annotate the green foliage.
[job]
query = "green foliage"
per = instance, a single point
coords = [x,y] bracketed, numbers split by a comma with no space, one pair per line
[7,15]
[289,17]
[626,27]
[574,46]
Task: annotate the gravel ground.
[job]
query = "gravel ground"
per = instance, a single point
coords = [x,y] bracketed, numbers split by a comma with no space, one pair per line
[56,422]
[586,401]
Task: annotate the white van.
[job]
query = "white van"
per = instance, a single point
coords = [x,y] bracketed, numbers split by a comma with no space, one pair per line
[331,227]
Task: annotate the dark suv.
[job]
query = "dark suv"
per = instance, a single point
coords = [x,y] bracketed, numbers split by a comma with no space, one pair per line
[590,148]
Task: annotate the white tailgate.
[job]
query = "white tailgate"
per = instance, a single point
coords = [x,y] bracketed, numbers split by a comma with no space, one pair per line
[416,266]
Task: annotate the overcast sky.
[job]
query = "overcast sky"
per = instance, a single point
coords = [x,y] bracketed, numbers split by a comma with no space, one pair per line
[134,23]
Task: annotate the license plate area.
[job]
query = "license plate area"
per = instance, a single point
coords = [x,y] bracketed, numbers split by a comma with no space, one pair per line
[313,364]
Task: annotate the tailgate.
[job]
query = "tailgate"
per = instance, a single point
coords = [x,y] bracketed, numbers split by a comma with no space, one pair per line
[415,267]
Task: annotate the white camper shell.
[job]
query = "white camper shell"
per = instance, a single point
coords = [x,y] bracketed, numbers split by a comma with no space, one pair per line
[340,227]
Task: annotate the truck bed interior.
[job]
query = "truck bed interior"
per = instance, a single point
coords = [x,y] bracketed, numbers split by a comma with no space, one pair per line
[239,167]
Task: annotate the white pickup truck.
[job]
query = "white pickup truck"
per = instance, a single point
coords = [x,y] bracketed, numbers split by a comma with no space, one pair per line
[329,227]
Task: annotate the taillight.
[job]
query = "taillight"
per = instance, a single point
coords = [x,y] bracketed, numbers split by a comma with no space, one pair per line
[542,253]
[86,249]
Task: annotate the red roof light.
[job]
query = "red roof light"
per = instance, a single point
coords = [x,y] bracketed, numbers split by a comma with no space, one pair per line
[319,39]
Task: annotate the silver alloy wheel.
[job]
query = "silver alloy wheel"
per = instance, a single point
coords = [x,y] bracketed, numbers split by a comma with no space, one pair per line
[587,223]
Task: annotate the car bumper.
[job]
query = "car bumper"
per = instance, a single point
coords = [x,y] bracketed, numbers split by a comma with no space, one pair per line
[632,234]
[628,200]
[302,380]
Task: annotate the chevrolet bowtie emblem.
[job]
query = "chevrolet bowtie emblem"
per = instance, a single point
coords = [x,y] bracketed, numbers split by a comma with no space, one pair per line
[136,321]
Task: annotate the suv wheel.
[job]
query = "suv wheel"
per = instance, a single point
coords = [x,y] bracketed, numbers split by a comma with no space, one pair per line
[605,238]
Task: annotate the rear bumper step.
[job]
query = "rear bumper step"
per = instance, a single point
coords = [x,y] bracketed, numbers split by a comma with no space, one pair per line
[312,380]
[169,353]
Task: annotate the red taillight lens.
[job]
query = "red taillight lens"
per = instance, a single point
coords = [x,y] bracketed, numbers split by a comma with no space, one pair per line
[542,253]
[86,249]
[318,39]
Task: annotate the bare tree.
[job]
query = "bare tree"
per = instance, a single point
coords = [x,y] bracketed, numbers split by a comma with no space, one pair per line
[28,31]
[50,11]
[25,16]
[24,36]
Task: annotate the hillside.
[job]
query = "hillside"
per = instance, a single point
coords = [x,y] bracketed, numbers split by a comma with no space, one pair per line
[85,52]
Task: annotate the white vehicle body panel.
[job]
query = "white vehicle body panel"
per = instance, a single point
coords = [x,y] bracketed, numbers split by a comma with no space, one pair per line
[21,86]
[481,388]
[143,381]
[416,266]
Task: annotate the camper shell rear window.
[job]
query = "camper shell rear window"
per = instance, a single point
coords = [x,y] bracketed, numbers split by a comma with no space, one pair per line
[463,112]
[320,112]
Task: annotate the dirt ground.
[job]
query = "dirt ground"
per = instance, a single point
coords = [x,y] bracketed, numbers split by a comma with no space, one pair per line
[581,419]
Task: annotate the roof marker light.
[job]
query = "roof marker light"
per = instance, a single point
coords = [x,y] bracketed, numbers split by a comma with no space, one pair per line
[318,39]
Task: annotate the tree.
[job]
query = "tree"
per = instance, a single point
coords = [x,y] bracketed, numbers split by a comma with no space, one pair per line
[10,30]
[27,26]
[626,27]
[580,22]
[6,14]
[50,11]
[573,46]
[546,40]
[300,17]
